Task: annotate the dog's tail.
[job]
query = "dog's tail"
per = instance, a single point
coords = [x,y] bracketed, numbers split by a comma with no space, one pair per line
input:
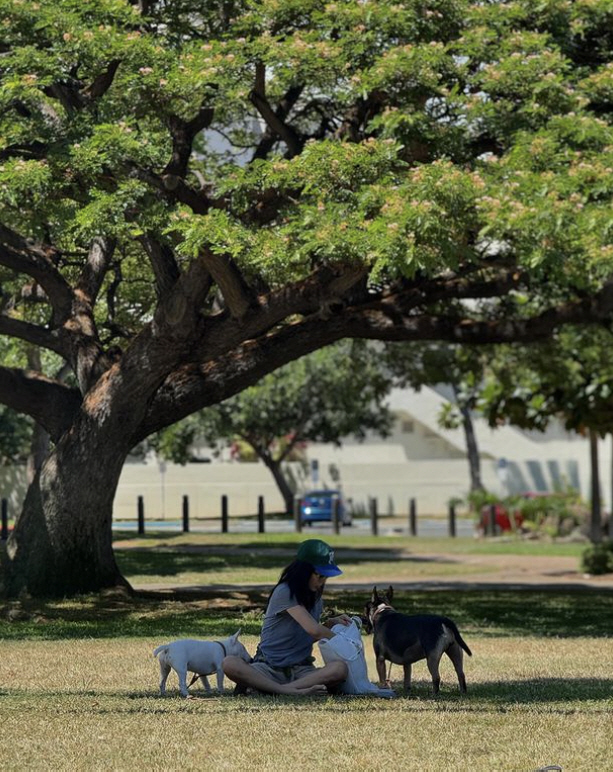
[163,647]
[458,637]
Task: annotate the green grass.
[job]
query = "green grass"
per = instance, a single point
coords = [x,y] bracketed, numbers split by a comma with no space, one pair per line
[78,683]
[221,559]
[390,545]
[489,613]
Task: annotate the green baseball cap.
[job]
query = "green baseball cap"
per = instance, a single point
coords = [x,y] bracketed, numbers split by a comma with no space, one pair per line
[320,555]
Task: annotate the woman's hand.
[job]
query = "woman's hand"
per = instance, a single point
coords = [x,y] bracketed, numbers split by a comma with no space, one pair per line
[342,619]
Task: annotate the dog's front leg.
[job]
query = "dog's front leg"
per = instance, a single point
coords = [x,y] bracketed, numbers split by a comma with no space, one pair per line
[381,669]
[183,683]
[407,677]
[220,680]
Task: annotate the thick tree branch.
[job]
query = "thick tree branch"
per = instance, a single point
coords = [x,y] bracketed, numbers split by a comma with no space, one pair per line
[38,261]
[95,269]
[34,149]
[195,386]
[51,404]
[32,333]
[177,317]
[183,134]
[174,188]
[235,290]
[102,83]
[273,119]
[165,267]
[283,109]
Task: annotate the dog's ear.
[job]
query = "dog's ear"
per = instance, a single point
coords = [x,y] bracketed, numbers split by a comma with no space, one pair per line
[390,593]
[375,595]
[236,634]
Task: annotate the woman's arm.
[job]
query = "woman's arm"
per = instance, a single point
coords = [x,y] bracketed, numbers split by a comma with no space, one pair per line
[306,621]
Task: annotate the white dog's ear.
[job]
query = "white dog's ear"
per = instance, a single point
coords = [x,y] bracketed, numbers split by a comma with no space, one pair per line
[236,634]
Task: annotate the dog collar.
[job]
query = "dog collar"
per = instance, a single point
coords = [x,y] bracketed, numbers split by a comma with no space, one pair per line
[225,653]
[380,608]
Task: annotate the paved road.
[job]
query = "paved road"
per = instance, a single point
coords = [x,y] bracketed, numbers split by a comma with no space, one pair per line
[426,527]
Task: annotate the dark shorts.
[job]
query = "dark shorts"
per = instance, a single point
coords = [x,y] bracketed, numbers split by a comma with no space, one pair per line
[283,675]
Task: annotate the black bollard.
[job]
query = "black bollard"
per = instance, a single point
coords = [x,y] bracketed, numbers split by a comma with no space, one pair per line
[260,514]
[336,508]
[492,521]
[413,517]
[374,525]
[452,531]
[224,514]
[298,513]
[185,514]
[141,515]
[4,529]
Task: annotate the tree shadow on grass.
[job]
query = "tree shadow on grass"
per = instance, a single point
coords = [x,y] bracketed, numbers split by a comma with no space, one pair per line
[174,560]
[564,613]
[563,696]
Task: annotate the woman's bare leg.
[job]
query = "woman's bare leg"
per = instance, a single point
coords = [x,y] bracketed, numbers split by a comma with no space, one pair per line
[313,683]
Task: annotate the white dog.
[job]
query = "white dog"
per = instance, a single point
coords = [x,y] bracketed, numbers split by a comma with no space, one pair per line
[199,657]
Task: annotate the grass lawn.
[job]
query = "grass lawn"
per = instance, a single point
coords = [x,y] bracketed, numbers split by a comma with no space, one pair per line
[79,685]
[213,559]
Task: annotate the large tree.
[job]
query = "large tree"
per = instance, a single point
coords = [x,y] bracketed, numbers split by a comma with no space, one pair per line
[323,397]
[193,194]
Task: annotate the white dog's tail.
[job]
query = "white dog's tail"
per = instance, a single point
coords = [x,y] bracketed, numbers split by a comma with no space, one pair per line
[163,647]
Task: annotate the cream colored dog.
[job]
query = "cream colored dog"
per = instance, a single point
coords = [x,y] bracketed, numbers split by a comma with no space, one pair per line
[202,658]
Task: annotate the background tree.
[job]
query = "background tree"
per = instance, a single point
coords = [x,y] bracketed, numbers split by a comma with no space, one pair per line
[568,378]
[323,397]
[461,369]
[194,194]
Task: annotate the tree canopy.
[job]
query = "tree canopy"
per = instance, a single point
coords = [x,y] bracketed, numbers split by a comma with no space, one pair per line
[192,195]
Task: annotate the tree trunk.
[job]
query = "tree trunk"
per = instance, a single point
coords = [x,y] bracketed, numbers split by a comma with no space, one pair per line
[595,520]
[39,449]
[277,472]
[62,541]
[610,522]
[472,449]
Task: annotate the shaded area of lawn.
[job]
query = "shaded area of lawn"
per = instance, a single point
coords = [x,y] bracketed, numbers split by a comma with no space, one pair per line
[215,612]
[219,613]
[508,612]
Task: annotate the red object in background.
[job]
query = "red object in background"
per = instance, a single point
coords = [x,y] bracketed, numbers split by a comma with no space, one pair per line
[501,514]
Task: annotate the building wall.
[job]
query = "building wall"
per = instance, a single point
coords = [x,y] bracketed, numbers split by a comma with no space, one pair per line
[432,482]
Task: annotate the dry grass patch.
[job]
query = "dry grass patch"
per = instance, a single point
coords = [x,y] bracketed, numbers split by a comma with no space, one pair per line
[93,705]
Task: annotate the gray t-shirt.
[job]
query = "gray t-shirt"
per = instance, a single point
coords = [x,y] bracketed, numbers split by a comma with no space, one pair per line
[284,642]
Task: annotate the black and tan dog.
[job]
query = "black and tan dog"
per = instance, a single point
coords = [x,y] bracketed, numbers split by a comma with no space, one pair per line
[404,639]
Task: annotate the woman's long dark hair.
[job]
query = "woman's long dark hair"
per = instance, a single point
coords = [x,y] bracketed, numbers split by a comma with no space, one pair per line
[297,576]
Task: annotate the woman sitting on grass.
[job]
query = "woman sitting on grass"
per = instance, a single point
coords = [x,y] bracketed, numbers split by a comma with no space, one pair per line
[283,663]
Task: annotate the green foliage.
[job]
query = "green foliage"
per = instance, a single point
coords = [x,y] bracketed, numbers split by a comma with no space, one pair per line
[405,199]
[598,559]
[15,436]
[552,515]
[568,377]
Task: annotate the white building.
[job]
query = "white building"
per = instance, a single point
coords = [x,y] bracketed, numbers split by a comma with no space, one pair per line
[419,460]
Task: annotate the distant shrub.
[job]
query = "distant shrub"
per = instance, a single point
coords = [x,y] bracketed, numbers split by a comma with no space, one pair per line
[598,558]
